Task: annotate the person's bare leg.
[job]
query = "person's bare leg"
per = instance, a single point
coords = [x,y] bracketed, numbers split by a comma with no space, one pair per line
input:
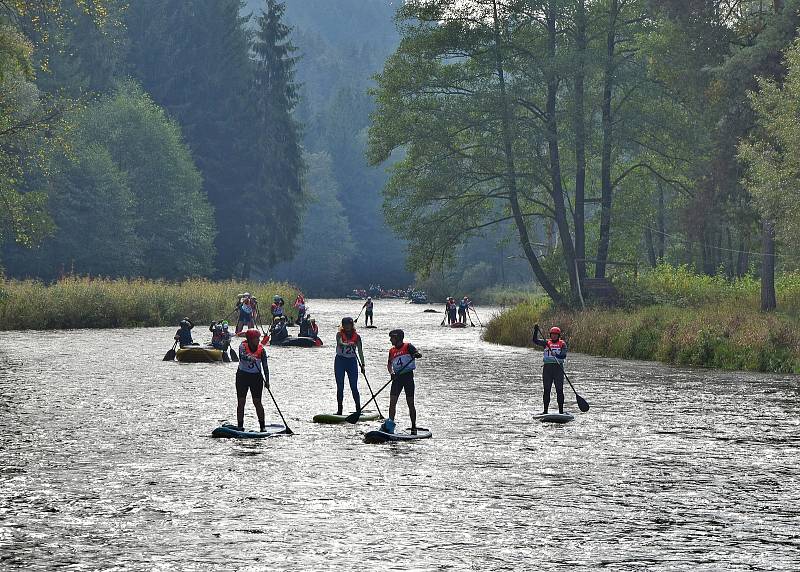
[393,406]
[240,411]
[259,412]
[412,413]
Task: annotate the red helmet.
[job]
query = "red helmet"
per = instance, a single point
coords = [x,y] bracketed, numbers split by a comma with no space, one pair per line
[253,334]
[555,330]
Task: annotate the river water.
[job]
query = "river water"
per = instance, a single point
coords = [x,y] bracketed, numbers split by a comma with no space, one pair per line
[107,461]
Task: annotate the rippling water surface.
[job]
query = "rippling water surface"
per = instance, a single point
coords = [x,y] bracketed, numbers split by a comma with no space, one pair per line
[106,462]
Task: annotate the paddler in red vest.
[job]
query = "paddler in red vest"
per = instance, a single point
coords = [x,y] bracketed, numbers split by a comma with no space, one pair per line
[348,352]
[252,363]
[555,353]
[402,364]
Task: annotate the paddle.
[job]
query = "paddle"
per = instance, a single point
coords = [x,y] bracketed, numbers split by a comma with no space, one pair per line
[359,315]
[583,405]
[170,355]
[287,430]
[234,357]
[354,417]
[476,316]
[364,373]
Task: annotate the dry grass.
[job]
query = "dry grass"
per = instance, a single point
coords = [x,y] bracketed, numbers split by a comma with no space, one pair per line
[99,303]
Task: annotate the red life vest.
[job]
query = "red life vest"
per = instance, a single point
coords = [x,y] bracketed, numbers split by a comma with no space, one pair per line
[552,351]
[250,361]
[401,360]
[346,350]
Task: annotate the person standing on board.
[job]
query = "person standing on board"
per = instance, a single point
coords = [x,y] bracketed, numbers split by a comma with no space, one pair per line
[401,366]
[555,354]
[367,307]
[300,305]
[348,351]
[463,306]
[450,308]
[247,313]
[252,363]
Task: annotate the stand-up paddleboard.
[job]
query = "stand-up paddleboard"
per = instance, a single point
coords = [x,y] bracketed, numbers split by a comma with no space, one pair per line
[458,325]
[370,327]
[378,436]
[333,418]
[554,417]
[231,432]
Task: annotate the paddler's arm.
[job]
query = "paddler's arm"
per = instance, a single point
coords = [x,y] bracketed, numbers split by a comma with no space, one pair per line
[535,339]
[414,352]
[360,353]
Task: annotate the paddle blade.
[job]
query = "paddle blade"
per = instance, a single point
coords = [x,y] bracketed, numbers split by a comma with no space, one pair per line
[234,357]
[353,417]
[170,355]
[583,405]
[287,431]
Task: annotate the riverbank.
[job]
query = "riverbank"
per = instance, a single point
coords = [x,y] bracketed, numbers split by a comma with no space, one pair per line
[715,325]
[99,303]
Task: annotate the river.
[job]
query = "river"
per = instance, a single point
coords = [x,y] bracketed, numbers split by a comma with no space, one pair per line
[107,461]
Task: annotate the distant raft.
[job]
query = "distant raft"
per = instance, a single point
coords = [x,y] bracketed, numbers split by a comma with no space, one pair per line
[379,436]
[298,342]
[228,431]
[198,354]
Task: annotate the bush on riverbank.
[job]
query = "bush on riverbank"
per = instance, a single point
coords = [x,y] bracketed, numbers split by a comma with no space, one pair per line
[99,303]
[700,321]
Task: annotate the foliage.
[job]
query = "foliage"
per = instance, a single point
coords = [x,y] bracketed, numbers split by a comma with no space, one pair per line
[125,197]
[772,153]
[325,244]
[719,335]
[75,302]
[220,97]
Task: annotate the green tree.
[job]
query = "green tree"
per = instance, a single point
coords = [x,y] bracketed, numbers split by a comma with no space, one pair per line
[275,194]
[174,221]
[325,246]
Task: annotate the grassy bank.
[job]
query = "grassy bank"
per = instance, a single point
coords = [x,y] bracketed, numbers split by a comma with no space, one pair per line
[697,321]
[98,303]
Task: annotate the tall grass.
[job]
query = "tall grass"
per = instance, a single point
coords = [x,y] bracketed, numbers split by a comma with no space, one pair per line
[100,303]
[698,321]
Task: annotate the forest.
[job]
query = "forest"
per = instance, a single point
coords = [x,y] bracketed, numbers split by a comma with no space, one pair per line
[461,144]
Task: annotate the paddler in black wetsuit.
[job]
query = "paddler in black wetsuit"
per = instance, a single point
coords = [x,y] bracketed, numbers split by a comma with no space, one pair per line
[555,354]
[252,363]
[402,363]
[368,306]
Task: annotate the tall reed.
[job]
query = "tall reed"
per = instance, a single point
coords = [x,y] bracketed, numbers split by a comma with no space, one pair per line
[75,302]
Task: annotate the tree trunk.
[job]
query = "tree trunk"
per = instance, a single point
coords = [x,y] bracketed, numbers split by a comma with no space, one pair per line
[557,190]
[608,132]
[768,300]
[662,227]
[580,139]
[743,260]
[651,249]
[511,173]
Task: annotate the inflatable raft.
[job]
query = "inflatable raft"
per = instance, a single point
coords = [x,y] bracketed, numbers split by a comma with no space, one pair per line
[298,342]
[198,354]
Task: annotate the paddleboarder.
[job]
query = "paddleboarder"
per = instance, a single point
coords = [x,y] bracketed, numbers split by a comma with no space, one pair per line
[367,307]
[348,352]
[401,366]
[555,354]
[252,364]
